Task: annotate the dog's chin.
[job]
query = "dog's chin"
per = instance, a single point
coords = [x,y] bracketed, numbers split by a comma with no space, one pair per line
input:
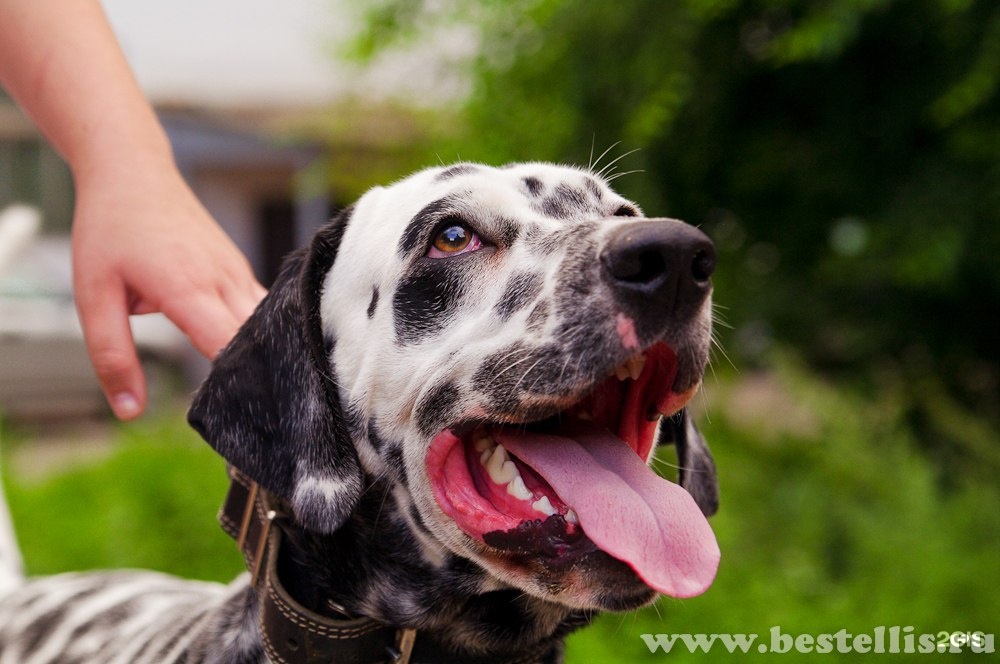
[526,496]
[542,560]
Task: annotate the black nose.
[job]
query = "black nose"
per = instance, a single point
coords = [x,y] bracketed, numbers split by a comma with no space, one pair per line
[659,262]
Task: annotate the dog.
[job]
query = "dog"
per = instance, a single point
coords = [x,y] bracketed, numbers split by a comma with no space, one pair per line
[439,423]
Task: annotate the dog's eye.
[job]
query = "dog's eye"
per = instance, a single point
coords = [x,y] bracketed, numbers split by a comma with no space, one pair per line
[454,239]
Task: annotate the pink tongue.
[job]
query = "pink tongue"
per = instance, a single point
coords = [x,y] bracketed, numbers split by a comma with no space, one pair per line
[624,507]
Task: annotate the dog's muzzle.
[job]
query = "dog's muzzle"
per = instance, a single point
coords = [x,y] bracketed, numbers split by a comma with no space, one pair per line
[547,486]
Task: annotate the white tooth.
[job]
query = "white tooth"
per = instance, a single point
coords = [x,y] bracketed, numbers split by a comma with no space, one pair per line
[517,489]
[571,517]
[544,505]
[485,457]
[508,472]
[499,466]
[495,463]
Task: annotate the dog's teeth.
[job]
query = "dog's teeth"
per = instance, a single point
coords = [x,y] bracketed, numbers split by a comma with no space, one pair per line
[483,442]
[571,517]
[494,465]
[508,473]
[517,488]
[544,505]
[636,363]
[584,415]
[485,457]
[631,368]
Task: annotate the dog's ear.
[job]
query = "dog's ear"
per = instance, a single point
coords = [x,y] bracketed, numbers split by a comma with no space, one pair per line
[696,468]
[270,406]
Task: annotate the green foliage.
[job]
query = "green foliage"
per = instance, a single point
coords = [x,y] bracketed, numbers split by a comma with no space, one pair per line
[151,504]
[844,154]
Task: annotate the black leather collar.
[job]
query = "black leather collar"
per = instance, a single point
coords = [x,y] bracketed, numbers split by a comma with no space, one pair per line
[292,633]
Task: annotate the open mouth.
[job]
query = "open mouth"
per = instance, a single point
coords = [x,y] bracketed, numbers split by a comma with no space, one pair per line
[579,478]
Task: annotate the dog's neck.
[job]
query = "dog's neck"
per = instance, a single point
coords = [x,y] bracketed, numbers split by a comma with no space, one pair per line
[373,567]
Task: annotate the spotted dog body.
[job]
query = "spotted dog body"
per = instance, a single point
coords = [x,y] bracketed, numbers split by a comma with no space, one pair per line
[436,388]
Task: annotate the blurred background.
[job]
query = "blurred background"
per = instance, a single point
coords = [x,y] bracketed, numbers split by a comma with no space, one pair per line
[843,154]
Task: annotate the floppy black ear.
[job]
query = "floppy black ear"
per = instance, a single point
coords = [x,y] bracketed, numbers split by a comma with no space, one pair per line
[270,406]
[696,468]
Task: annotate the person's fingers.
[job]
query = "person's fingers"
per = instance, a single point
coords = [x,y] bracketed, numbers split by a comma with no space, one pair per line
[104,317]
[206,321]
[243,301]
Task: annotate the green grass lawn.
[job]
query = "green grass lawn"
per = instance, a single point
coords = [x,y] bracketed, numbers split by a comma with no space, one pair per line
[835,523]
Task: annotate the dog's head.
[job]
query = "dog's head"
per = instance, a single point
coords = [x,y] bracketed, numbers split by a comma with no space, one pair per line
[505,347]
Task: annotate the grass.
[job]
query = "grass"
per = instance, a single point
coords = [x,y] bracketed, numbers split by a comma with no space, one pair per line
[837,524]
[150,504]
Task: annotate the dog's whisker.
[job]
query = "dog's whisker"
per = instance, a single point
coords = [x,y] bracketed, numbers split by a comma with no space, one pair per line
[656,608]
[605,170]
[706,398]
[604,154]
[614,176]
[514,364]
[381,506]
[526,372]
[717,347]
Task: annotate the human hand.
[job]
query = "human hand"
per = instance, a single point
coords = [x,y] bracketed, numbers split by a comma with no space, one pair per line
[143,243]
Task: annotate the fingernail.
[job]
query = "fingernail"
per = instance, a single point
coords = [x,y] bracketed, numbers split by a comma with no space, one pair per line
[125,405]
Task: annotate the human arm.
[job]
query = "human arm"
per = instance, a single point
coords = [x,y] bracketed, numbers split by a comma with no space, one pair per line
[142,242]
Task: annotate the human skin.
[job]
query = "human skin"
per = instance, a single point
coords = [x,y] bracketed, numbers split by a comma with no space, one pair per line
[142,242]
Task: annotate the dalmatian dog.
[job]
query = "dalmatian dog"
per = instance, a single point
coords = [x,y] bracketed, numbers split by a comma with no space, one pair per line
[449,401]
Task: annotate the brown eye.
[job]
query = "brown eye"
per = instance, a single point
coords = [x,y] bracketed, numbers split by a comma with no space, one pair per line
[453,239]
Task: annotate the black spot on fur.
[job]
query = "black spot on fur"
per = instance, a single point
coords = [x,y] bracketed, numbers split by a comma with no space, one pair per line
[539,314]
[393,455]
[521,290]
[436,407]
[534,186]
[456,170]
[508,376]
[373,303]
[566,202]
[375,437]
[418,520]
[594,187]
[424,301]
[513,378]
[505,231]
[417,231]
[353,418]
[541,242]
